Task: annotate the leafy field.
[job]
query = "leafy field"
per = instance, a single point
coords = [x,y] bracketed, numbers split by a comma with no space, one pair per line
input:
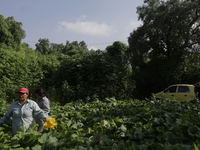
[112,125]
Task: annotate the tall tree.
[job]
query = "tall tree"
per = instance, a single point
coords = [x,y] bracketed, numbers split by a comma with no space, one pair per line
[11,32]
[100,73]
[56,48]
[157,48]
[43,46]
[75,48]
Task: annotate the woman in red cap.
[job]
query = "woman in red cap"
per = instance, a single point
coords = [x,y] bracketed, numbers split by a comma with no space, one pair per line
[23,112]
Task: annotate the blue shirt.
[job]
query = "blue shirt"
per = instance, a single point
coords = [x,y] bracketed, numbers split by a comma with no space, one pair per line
[22,114]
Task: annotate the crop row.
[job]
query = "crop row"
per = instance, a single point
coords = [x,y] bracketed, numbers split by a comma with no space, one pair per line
[132,125]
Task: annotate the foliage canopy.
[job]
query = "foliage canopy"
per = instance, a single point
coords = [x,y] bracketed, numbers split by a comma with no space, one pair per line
[169,34]
[11,32]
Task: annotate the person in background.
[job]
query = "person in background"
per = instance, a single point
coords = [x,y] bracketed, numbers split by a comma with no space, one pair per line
[43,101]
[22,112]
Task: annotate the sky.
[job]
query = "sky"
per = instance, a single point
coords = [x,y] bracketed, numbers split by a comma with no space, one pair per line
[98,23]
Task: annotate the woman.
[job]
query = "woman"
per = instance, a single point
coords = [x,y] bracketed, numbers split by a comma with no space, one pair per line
[43,102]
[23,112]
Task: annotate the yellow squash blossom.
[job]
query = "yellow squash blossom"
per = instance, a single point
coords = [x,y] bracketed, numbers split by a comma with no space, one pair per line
[50,123]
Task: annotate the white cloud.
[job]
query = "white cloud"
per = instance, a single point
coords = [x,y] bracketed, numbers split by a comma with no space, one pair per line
[85,27]
[135,24]
[92,47]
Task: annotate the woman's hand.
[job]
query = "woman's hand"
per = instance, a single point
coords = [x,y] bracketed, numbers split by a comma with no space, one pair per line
[45,119]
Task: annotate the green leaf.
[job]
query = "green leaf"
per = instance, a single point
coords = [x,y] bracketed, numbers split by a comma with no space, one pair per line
[69,123]
[123,128]
[106,123]
[80,148]
[157,146]
[135,146]
[19,149]
[138,134]
[158,120]
[52,140]
[195,147]
[194,131]
[182,122]
[44,138]
[75,126]
[27,148]
[107,140]
[74,136]
[37,147]
[116,119]
[94,139]
[121,146]
[171,138]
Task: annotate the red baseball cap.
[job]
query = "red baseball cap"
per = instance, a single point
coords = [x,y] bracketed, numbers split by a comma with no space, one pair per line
[23,90]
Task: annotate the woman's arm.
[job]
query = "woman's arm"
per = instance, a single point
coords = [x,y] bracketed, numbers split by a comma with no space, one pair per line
[38,112]
[6,117]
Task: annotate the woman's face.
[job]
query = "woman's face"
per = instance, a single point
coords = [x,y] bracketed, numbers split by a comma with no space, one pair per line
[22,96]
[38,96]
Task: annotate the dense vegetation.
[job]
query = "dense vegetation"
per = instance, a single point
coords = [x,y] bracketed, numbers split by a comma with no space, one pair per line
[118,125]
[165,49]
[162,51]
[99,90]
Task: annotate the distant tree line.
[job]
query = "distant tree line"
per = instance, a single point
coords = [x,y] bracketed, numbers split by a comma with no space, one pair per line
[164,50]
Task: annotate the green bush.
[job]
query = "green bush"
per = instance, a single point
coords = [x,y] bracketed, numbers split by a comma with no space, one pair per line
[17,69]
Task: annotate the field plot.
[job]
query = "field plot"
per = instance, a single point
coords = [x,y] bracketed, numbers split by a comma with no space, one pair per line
[113,125]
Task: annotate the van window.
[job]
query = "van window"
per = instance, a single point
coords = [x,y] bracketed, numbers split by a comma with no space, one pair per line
[183,89]
[171,90]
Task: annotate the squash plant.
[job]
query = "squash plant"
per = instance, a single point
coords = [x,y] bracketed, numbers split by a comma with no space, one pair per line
[133,124]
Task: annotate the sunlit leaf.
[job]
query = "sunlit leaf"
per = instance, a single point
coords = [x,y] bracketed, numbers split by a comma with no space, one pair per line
[37,147]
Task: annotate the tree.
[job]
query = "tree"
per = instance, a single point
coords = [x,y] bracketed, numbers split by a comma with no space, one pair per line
[24,44]
[74,48]
[56,48]
[11,32]
[157,48]
[117,50]
[99,73]
[43,46]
